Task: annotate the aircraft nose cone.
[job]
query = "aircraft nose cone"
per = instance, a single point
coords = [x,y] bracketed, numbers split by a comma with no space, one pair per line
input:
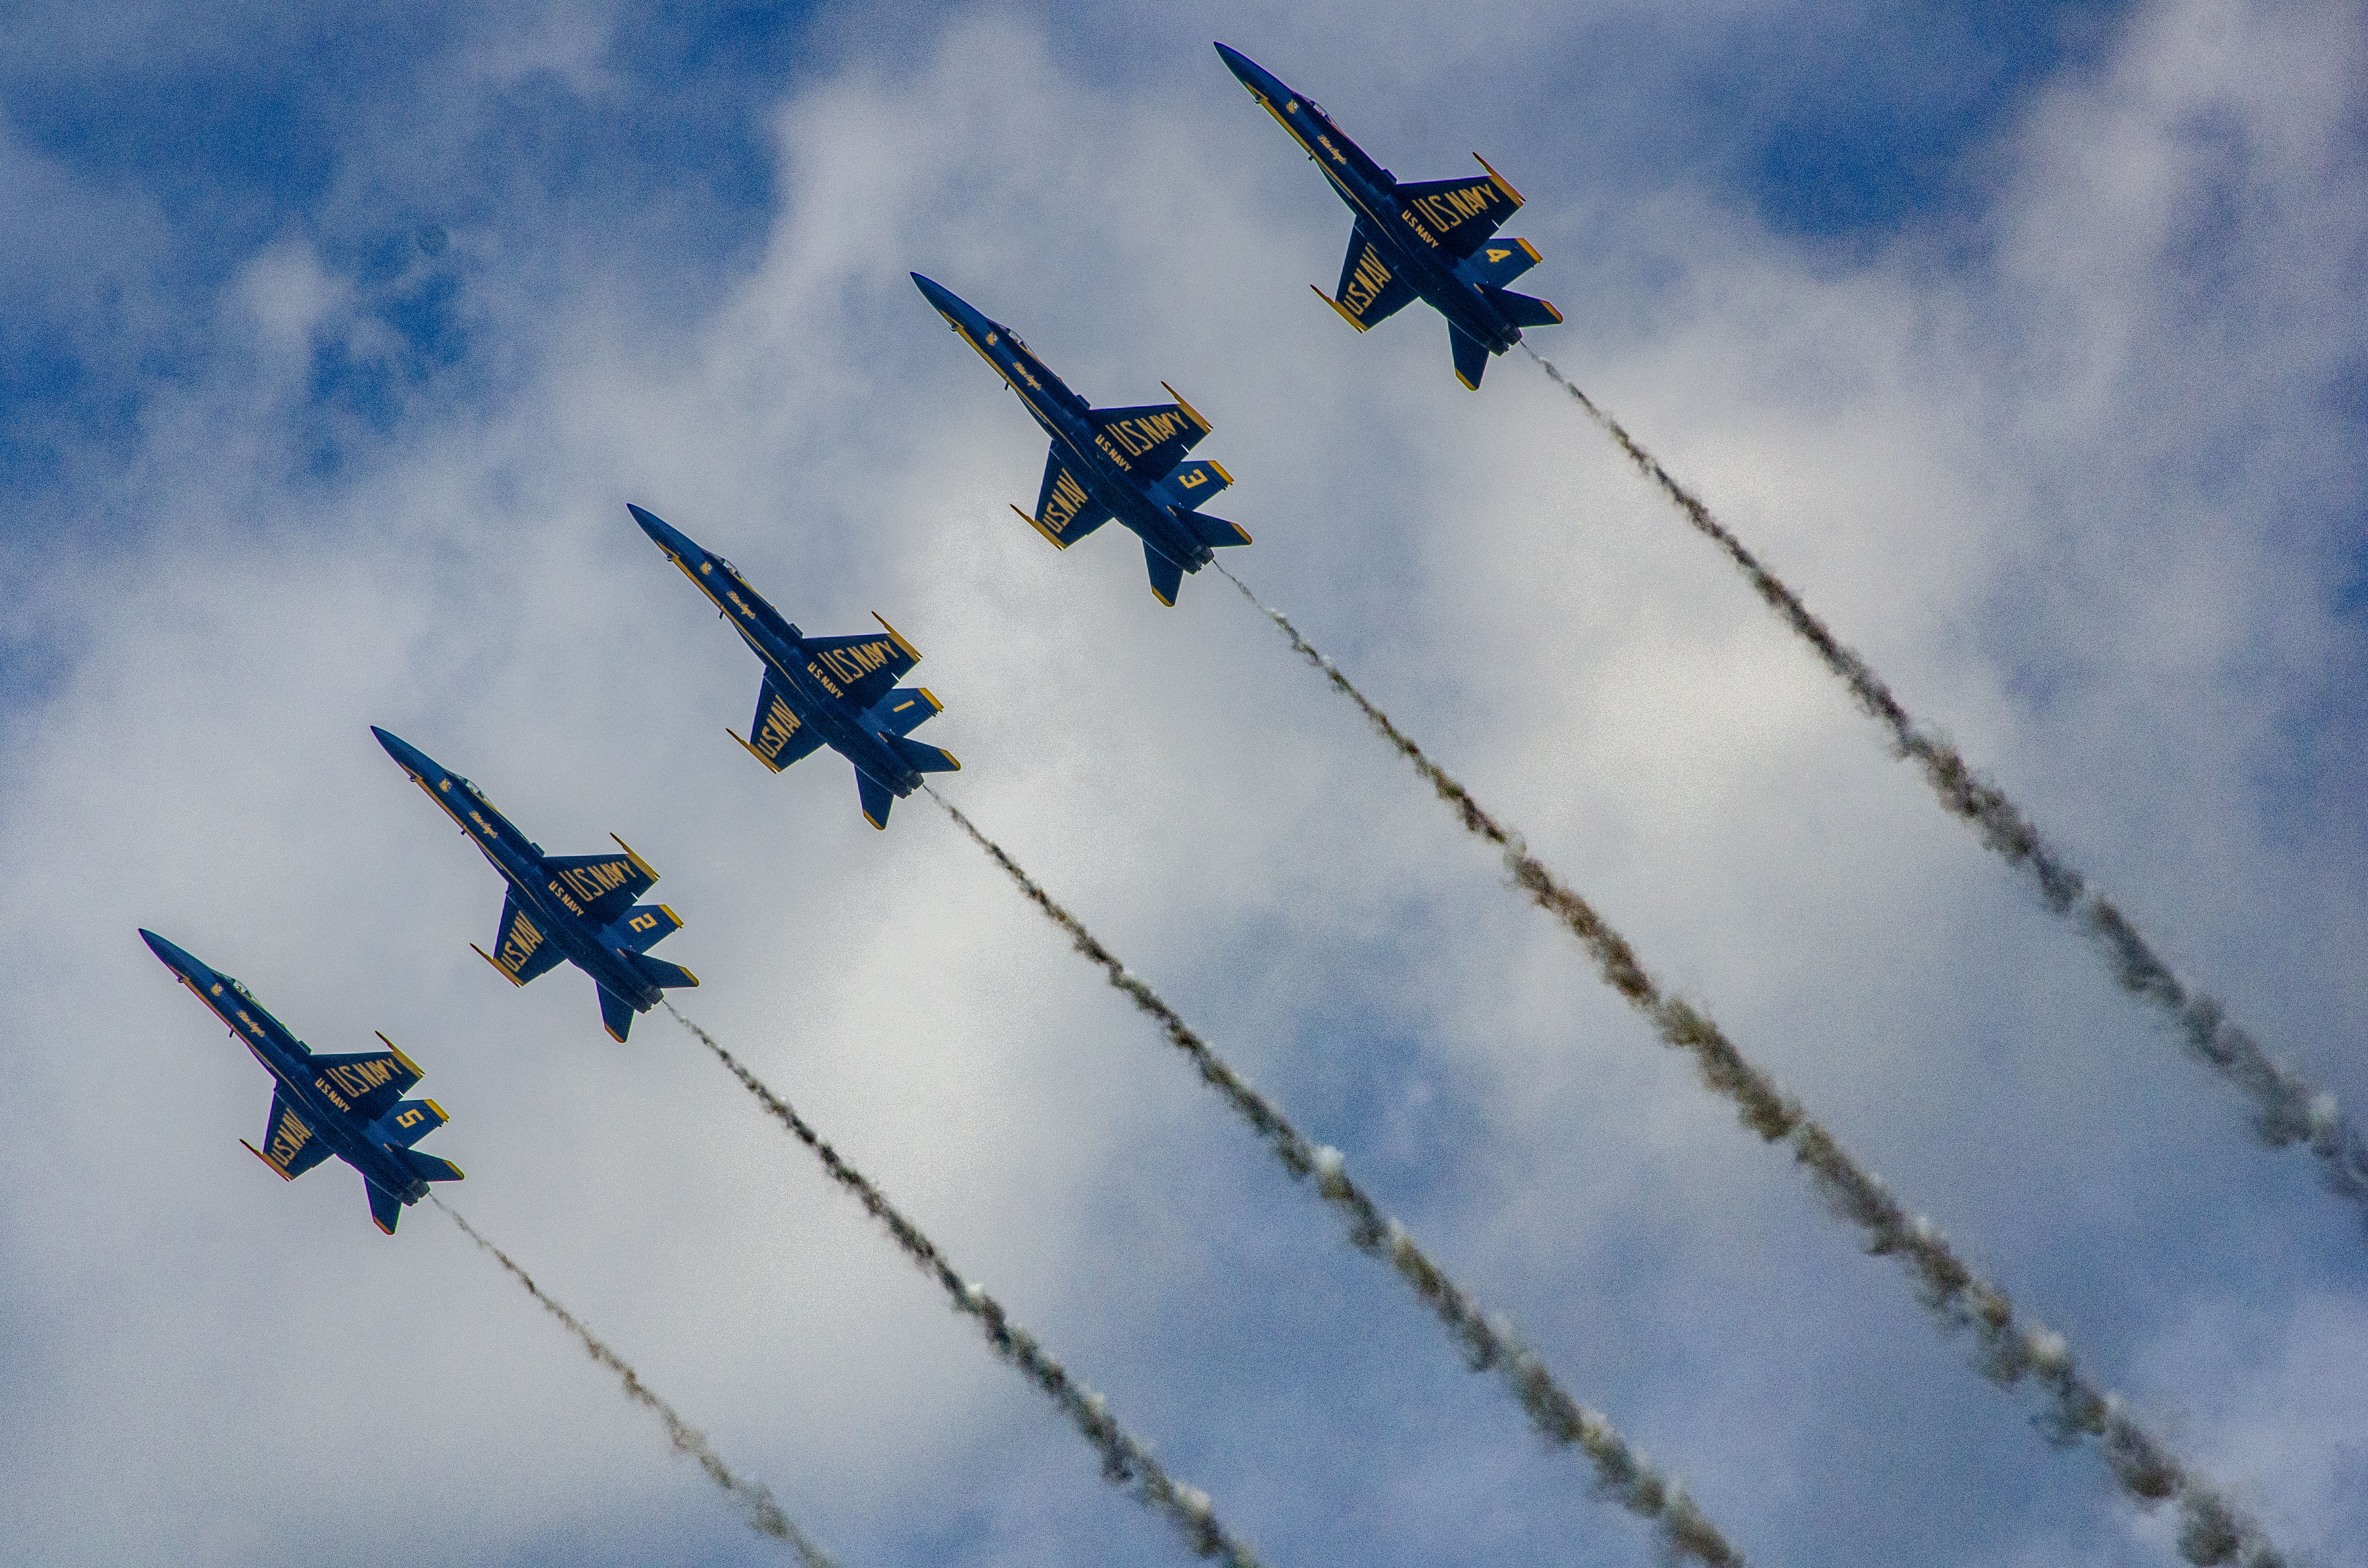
[1252,75]
[174,958]
[403,751]
[664,537]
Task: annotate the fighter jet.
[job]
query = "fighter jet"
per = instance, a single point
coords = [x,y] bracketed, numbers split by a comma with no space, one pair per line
[348,1106]
[1429,241]
[577,907]
[1126,463]
[840,690]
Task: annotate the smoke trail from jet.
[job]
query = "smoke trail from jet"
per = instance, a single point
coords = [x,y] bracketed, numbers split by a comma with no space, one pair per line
[1489,1342]
[1125,1462]
[2211,1531]
[2286,1109]
[765,1516]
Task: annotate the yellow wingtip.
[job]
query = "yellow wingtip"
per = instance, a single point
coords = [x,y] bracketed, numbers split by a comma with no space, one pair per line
[1056,540]
[1191,412]
[1336,305]
[910,651]
[489,958]
[1497,179]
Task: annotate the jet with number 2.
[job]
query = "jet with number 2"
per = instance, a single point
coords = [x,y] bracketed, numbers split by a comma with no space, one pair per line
[577,907]
[351,1106]
[1126,463]
[1429,242]
[837,691]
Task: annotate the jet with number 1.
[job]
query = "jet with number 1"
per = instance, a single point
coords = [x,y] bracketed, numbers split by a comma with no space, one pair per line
[577,907]
[1126,463]
[1429,242]
[840,690]
[351,1106]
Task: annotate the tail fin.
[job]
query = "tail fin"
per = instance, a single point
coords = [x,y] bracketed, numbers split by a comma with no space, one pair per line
[922,758]
[385,1207]
[659,972]
[876,798]
[1470,355]
[1523,310]
[410,1121]
[427,1167]
[645,926]
[1215,532]
[616,1013]
[1167,576]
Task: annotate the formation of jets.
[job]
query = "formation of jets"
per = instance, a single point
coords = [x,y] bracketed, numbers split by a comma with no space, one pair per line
[1432,242]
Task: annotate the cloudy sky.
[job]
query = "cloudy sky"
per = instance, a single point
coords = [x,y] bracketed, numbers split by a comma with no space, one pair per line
[338,339]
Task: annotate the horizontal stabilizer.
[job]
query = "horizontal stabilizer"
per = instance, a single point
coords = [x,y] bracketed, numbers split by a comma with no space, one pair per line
[368,1082]
[861,669]
[521,951]
[1167,576]
[778,738]
[1150,440]
[427,1167]
[1194,482]
[1065,513]
[1459,214]
[1524,310]
[1498,262]
[664,975]
[603,885]
[1216,532]
[616,1013]
[646,924]
[288,1145]
[906,709]
[385,1207]
[1370,289]
[876,798]
[413,1120]
[922,758]
[1470,355]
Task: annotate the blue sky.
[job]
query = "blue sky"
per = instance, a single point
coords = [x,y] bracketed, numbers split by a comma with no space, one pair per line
[2028,351]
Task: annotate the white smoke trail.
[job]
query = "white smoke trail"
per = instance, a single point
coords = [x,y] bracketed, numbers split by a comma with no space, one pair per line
[2286,1109]
[1489,1343]
[765,1516]
[2211,1531]
[1125,1462]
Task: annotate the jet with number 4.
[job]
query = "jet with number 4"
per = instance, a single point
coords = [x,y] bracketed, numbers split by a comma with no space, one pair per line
[1432,242]
[351,1106]
[840,691]
[577,907]
[1126,463]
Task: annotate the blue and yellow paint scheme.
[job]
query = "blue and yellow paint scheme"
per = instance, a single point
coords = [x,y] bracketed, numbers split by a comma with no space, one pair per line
[577,907]
[351,1106]
[1126,463]
[834,691]
[1433,241]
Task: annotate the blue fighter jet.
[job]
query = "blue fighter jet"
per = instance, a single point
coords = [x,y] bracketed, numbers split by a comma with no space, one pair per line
[351,1106]
[577,907]
[1126,463]
[1430,241]
[840,690]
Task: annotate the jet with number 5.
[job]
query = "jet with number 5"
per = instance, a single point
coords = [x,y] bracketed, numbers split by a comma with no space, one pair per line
[1431,242]
[1126,463]
[351,1106]
[577,907]
[840,691]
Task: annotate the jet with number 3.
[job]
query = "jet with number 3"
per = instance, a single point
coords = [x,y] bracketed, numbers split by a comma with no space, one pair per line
[1126,463]
[577,907]
[840,691]
[1432,242]
[351,1106]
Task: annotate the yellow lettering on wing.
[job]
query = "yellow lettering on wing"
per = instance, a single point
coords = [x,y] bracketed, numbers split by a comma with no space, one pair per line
[1365,283]
[335,1099]
[1062,506]
[815,669]
[518,944]
[289,1137]
[410,1118]
[774,734]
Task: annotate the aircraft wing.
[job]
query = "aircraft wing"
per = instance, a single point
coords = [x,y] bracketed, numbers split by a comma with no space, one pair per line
[289,1146]
[369,1081]
[521,950]
[1150,440]
[1064,512]
[902,711]
[605,885]
[1370,290]
[864,667]
[1460,213]
[778,736]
